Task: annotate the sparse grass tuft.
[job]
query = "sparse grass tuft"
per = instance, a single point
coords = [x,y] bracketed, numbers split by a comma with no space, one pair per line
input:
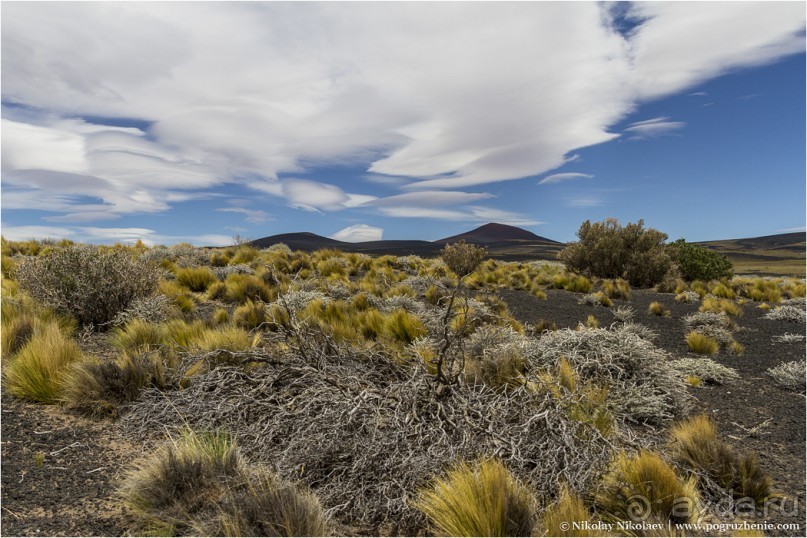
[657,309]
[484,500]
[702,344]
[403,327]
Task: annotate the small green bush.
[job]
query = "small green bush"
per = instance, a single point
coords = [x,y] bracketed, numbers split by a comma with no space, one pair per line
[698,263]
[485,500]
[91,284]
[609,250]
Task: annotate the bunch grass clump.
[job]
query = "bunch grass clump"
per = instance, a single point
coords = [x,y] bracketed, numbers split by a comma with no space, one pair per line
[568,516]
[701,344]
[200,484]
[99,388]
[717,305]
[37,371]
[643,486]
[483,500]
[657,309]
[196,279]
[696,444]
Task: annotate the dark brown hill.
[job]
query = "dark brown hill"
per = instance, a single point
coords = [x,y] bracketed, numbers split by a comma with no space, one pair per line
[495,233]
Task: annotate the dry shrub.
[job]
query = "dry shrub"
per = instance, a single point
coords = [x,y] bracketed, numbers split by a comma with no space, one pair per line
[365,433]
[787,313]
[705,369]
[695,444]
[789,374]
[643,386]
[644,486]
[91,284]
[484,500]
[463,258]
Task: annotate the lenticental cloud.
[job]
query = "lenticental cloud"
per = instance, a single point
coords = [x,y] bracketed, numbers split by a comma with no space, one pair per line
[427,104]
[566,176]
[359,233]
[652,128]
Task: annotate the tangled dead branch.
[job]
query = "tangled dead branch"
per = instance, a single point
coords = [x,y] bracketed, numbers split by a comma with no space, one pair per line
[365,433]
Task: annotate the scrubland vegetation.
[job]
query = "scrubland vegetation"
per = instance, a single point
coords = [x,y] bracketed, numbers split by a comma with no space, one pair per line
[307,394]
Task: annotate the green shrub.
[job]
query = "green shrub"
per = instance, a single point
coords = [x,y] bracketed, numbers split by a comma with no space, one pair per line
[196,278]
[608,250]
[91,284]
[36,371]
[485,500]
[698,263]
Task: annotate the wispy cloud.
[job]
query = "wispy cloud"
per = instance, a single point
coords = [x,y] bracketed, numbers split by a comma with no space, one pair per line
[358,233]
[586,201]
[653,128]
[565,176]
[429,199]
[217,107]
[255,216]
[792,230]
[698,94]
[470,214]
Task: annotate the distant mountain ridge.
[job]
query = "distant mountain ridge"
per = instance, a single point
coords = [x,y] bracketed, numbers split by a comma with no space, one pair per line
[773,254]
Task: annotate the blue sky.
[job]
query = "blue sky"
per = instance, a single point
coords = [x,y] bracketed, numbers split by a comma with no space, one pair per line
[200,121]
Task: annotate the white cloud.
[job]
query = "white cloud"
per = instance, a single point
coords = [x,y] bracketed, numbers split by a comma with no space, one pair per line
[358,233]
[792,230]
[586,201]
[653,128]
[565,176]
[256,216]
[100,235]
[411,89]
[24,233]
[429,199]
[466,214]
